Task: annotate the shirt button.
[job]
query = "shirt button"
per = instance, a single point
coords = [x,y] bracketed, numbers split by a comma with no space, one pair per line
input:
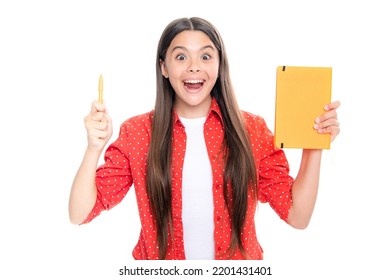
[219,248]
[219,218]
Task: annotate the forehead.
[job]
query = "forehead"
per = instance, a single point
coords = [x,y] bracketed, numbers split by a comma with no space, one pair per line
[191,39]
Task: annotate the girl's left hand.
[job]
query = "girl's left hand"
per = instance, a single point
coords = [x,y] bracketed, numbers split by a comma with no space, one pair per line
[327,122]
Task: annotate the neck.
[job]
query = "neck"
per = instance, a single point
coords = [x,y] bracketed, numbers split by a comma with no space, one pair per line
[193,111]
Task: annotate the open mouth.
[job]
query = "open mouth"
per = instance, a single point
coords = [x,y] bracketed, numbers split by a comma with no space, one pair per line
[193,84]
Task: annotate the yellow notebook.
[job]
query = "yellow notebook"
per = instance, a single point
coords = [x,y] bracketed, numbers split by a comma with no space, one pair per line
[301,94]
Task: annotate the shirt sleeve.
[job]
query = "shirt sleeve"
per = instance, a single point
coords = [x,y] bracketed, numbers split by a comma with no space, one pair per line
[274,181]
[113,177]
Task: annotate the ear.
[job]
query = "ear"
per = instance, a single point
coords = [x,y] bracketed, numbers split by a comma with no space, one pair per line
[163,69]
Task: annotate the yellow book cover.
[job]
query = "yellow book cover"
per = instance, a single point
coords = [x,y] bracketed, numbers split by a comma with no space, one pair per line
[301,94]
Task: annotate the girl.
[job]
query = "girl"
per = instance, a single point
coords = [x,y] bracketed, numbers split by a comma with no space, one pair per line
[198,164]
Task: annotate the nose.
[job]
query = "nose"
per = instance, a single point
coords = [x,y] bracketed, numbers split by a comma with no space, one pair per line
[193,67]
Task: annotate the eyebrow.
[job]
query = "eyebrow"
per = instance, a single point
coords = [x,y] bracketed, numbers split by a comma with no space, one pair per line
[201,49]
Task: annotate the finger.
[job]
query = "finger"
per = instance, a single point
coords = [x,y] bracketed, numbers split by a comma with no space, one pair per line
[332,106]
[98,134]
[331,114]
[332,130]
[97,116]
[106,117]
[98,125]
[327,123]
[98,107]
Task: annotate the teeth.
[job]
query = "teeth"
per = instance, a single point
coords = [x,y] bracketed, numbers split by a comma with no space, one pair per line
[193,81]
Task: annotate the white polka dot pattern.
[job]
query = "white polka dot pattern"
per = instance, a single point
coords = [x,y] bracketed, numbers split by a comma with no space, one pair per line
[125,165]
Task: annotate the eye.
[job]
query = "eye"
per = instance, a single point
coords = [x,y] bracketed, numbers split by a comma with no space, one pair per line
[206,57]
[180,57]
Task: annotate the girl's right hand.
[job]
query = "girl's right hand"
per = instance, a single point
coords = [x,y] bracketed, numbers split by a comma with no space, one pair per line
[99,126]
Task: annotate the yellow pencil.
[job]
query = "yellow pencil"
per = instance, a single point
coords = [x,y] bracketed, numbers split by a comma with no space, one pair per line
[101,89]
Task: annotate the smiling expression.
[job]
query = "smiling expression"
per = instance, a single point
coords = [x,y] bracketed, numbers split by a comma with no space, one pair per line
[191,65]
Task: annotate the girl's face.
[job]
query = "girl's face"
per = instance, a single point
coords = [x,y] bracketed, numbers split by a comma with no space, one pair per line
[191,65]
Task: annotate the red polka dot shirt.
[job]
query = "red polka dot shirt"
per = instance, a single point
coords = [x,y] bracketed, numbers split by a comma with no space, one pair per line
[125,166]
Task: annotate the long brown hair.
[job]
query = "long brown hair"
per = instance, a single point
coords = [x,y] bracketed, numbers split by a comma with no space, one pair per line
[240,170]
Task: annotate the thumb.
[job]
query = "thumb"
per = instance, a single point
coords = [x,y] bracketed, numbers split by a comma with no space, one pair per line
[98,107]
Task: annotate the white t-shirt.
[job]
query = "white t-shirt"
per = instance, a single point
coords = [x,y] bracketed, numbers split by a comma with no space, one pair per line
[197,195]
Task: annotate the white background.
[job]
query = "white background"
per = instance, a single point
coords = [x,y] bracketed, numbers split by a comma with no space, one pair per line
[51,55]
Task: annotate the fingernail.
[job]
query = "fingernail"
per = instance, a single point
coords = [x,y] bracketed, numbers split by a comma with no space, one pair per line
[316,126]
[318,120]
[326,107]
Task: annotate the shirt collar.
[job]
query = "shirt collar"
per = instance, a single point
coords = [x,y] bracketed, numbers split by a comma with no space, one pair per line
[214,109]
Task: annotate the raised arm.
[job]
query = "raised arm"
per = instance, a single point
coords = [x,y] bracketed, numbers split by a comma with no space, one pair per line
[305,187]
[83,192]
